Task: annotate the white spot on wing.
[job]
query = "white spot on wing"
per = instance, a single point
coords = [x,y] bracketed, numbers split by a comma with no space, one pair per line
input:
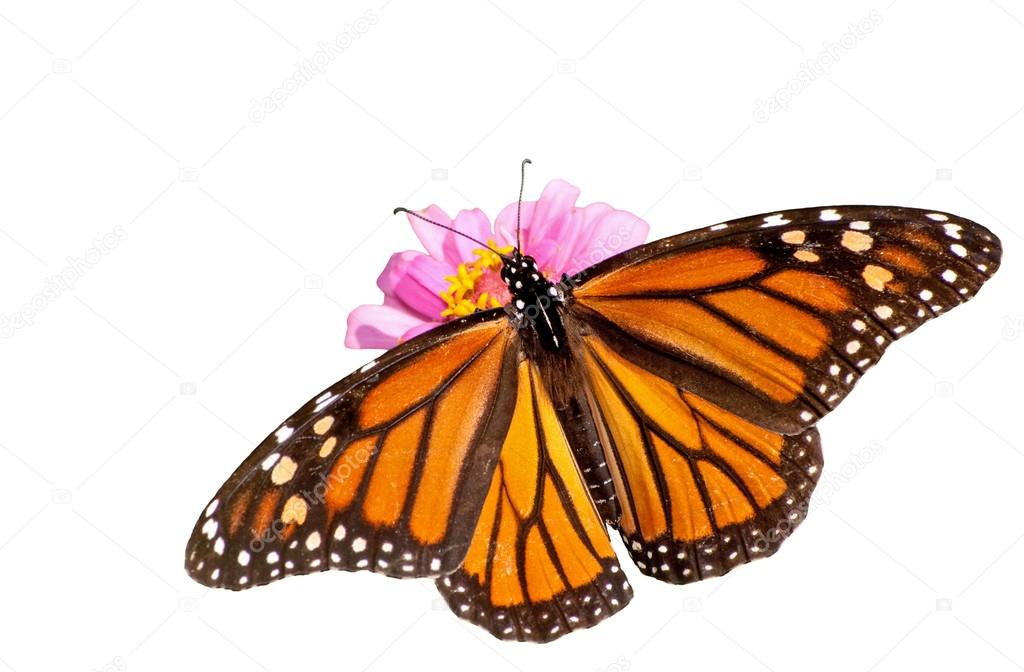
[313,541]
[775,220]
[324,403]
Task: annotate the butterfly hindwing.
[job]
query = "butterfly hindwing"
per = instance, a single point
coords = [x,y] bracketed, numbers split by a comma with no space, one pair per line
[700,490]
[775,317]
[384,471]
[540,564]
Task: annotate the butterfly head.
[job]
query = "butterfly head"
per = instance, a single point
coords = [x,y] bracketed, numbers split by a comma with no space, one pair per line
[522,275]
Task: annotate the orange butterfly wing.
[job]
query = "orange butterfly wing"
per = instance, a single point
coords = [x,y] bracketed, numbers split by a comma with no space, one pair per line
[709,356]
[775,317]
[540,564]
[384,471]
[700,490]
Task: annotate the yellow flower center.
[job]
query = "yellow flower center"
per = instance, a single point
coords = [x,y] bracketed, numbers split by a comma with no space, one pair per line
[477,284]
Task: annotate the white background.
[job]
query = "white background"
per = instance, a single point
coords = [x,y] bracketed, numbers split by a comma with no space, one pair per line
[129,398]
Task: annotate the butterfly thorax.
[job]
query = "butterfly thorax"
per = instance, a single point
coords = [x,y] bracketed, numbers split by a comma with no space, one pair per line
[534,300]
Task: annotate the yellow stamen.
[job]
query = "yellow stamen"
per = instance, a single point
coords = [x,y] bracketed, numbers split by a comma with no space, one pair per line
[457,296]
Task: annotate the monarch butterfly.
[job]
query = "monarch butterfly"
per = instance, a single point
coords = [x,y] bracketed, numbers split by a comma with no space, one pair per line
[670,391]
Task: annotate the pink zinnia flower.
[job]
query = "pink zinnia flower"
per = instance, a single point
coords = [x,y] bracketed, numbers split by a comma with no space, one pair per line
[456,276]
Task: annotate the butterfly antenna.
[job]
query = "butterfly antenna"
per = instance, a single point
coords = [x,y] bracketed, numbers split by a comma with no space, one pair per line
[455,231]
[519,207]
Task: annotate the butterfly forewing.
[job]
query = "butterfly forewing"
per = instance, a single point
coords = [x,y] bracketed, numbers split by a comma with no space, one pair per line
[775,317]
[384,471]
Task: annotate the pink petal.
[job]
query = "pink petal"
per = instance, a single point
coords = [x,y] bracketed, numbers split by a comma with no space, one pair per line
[421,289]
[396,270]
[577,235]
[416,280]
[378,326]
[613,232]
[472,223]
[543,219]
[542,250]
[554,211]
[430,273]
[417,330]
[432,237]
[544,253]
[505,222]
